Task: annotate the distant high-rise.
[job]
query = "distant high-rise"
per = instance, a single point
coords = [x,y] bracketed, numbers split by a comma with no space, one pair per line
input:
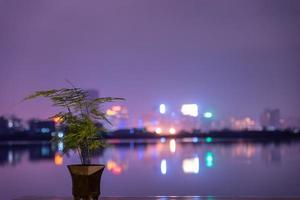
[270,119]
[242,124]
[3,125]
[44,127]
[10,124]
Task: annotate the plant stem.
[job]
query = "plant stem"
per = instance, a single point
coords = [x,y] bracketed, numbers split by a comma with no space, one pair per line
[80,156]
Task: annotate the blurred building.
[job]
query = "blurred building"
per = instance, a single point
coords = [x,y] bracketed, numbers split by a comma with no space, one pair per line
[190,123]
[10,125]
[243,124]
[3,125]
[162,121]
[43,127]
[166,121]
[118,116]
[15,124]
[290,123]
[207,124]
[270,119]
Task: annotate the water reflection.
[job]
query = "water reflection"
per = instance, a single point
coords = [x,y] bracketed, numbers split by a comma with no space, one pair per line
[173,145]
[244,150]
[120,154]
[163,166]
[58,159]
[10,157]
[60,146]
[116,168]
[190,165]
[152,162]
[209,159]
[11,154]
[208,139]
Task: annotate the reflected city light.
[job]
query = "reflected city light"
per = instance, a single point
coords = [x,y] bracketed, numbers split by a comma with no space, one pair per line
[114,167]
[60,146]
[208,140]
[173,145]
[244,150]
[10,157]
[163,166]
[162,140]
[191,165]
[58,159]
[195,139]
[209,159]
[45,151]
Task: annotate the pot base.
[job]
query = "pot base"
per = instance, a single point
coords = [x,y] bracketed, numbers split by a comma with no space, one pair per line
[86,181]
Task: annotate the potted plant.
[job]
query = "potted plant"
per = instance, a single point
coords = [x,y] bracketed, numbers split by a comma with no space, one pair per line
[79,116]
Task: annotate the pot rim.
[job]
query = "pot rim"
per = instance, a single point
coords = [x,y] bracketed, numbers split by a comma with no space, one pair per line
[81,165]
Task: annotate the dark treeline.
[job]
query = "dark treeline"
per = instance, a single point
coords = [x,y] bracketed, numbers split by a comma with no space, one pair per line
[142,134]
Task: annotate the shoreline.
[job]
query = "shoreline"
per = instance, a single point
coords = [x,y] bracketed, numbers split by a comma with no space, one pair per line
[141,134]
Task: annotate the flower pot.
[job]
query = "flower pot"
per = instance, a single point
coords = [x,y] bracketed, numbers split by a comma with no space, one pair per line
[86,181]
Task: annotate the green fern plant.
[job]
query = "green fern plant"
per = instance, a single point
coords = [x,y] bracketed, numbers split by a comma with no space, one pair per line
[79,115]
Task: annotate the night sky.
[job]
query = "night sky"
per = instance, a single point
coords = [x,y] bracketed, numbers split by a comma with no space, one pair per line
[232,57]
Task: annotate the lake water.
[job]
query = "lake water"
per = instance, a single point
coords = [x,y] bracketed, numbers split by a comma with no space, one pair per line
[158,167]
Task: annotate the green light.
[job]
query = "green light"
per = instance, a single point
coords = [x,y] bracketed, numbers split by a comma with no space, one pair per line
[209,159]
[208,115]
[208,139]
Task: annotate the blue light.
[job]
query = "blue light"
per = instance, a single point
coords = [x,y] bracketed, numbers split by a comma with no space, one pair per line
[10,156]
[208,140]
[45,151]
[209,159]
[60,134]
[45,130]
[195,139]
[60,146]
[162,140]
[10,124]
[208,115]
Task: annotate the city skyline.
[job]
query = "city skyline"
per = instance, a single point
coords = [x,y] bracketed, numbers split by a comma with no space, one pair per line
[164,120]
[235,58]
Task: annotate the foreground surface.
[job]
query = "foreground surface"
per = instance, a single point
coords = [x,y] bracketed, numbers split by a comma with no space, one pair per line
[167,198]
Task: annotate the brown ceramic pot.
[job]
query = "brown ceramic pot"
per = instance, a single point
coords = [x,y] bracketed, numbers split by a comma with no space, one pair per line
[86,181]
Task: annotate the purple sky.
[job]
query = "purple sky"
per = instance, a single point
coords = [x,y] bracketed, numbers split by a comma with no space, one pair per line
[234,57]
